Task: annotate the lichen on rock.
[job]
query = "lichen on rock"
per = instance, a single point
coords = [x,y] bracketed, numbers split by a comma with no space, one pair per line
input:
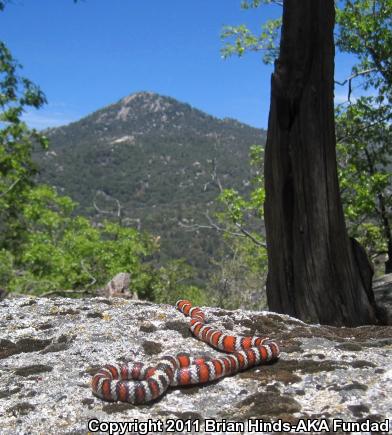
[50,348]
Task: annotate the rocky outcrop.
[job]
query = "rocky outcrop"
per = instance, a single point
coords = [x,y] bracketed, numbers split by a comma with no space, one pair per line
[118,286]
[50,348]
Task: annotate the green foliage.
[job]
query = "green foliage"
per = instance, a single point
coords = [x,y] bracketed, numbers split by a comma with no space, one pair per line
[45,247]
[363,126]
[236,205]
[162,178]
[240,40]
[238,209]
[364,28]
[6,268]
[62,251]
[16,143]
[240,277]
[173,283]
[364,150]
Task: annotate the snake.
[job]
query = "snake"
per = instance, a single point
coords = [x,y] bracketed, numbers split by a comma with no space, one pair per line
[138,383]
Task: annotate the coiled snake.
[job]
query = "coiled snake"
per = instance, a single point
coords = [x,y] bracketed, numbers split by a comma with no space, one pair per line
[137,383]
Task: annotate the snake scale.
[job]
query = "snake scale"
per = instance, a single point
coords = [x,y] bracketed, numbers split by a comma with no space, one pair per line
[138,383]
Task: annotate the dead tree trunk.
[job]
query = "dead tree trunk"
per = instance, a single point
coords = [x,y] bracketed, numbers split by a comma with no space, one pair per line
[314,269]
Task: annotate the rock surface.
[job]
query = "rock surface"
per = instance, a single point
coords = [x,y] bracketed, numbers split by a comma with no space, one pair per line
[50,348]
[118,286]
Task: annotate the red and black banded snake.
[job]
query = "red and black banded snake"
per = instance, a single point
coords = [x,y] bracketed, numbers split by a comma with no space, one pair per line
[137,383]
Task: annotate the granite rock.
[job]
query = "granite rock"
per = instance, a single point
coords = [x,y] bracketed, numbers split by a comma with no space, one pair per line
[51,347]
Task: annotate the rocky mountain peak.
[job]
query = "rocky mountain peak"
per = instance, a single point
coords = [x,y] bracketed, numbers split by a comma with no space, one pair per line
[143,97]
[143,103]
[147,109]
[154,154]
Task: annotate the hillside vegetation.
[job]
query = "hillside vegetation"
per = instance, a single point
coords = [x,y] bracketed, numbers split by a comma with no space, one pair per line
[158,158]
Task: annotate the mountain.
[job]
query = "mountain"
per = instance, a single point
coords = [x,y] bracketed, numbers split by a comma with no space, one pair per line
[156,156]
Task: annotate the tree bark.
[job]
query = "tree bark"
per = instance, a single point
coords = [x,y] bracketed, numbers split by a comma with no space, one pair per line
[314,269]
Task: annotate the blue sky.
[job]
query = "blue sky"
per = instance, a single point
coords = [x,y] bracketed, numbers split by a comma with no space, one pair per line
[87,55]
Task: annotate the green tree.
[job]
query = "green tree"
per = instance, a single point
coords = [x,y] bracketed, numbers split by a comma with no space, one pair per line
[302,183]
[240,275]
[69,255]
[314,271]
[241,269]
[240,40]
[43,247]
[364,28]
[363,124]
[17,169]
[65,252]
[173,282]
[365,174]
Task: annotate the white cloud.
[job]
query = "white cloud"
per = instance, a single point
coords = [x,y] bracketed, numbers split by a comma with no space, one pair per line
[44,118]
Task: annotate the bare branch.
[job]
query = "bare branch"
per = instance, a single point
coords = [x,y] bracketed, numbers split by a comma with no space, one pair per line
[351,78]
[214,226]
[10,188]
[93,279]
[247,234]
[243,232]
